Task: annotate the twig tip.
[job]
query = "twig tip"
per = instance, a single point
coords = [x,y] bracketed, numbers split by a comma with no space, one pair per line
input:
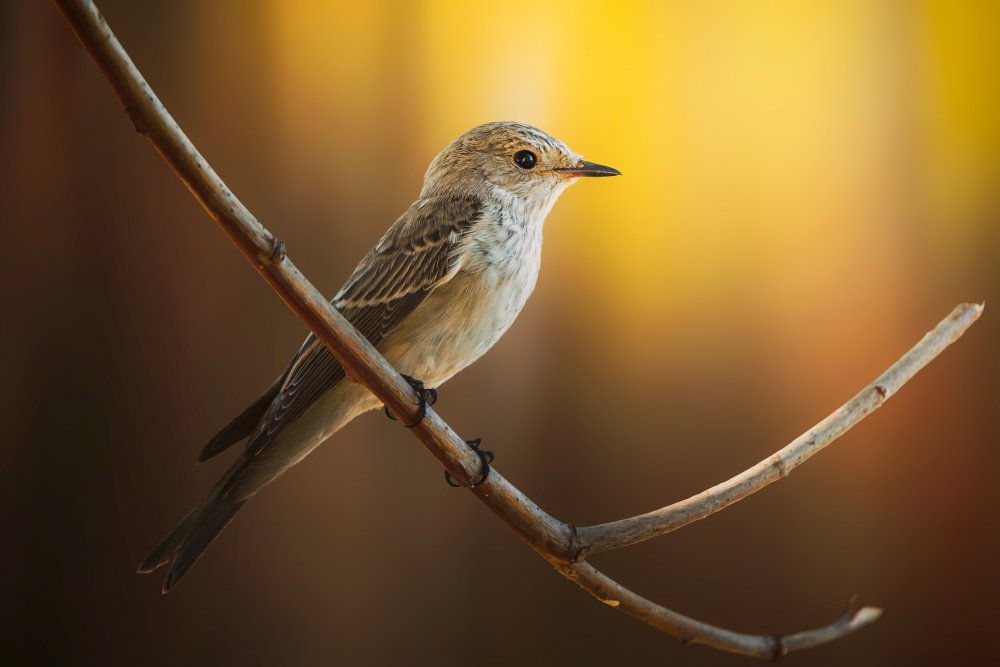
[865,615]
[976,308]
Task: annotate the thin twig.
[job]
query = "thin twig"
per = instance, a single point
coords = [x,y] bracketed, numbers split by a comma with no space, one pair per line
[624,532]
[558,542]
[692,631]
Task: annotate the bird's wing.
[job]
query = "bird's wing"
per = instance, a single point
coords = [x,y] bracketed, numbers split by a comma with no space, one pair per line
[243,425]
[418,253]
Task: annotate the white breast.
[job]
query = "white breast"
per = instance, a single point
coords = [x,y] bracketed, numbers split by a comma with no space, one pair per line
[463,318]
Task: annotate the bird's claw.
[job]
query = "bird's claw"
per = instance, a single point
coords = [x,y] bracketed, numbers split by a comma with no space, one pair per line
[425,396]
[485,456]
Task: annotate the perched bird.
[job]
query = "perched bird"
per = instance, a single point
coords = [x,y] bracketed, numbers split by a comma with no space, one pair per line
[437,291]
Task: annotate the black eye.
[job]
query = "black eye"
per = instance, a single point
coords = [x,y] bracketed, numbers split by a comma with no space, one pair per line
[525,159]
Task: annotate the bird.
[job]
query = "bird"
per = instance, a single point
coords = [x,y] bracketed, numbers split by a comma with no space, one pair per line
[439,289]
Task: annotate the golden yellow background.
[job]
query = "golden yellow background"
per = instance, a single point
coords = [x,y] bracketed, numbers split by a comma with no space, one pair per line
[807,187]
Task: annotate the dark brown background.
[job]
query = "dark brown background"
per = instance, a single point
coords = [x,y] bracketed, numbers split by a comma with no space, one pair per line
[806,191]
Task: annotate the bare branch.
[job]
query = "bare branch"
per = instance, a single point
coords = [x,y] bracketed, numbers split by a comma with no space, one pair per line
[691,631]
[624,532]
[559,543]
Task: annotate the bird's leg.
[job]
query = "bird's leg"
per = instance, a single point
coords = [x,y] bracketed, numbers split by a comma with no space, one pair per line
[425,396]
[485,456]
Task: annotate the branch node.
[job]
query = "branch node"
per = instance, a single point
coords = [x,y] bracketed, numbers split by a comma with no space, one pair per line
[779,464]
[881,391]
[135,115]
[778,649]
[576,550]
[277,253]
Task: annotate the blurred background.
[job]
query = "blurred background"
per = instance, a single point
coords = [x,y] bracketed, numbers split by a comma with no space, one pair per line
[807,188]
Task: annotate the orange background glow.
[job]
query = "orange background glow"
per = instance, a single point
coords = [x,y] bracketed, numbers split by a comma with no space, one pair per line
[807,188]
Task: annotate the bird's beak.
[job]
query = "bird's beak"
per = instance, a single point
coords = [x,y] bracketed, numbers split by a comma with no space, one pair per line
[584,168]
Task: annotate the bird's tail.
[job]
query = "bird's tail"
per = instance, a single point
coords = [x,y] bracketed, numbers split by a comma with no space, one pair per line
[183,546]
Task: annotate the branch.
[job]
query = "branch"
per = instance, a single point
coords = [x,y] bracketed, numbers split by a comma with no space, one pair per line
[561,544]
[624,532]
[691,631]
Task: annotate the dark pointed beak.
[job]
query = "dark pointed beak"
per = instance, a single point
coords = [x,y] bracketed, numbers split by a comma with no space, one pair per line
[584,168]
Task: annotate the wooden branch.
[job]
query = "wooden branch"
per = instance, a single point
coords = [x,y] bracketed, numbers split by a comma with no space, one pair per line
[624,532]
[559,543]
[691,631]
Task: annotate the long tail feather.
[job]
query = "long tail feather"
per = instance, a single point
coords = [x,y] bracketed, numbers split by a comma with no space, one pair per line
[184,545]
[202,534]
[164,552]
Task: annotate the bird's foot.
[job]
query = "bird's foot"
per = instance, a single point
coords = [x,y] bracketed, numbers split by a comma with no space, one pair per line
[425,396]
[485,456]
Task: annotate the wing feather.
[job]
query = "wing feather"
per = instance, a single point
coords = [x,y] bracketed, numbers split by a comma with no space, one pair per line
[419,252]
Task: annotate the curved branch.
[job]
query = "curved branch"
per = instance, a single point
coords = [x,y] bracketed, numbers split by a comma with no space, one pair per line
[692,631]
[559,543]
[624,532]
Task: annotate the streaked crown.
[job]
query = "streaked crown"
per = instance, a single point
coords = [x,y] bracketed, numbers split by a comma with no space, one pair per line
[513,157]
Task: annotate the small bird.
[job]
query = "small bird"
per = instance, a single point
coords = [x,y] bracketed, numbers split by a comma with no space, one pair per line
[437,291]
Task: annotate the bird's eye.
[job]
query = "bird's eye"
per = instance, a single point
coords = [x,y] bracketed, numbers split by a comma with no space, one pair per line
[525,159]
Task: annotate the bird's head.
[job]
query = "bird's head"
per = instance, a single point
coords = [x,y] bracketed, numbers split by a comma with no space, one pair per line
[513,158]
